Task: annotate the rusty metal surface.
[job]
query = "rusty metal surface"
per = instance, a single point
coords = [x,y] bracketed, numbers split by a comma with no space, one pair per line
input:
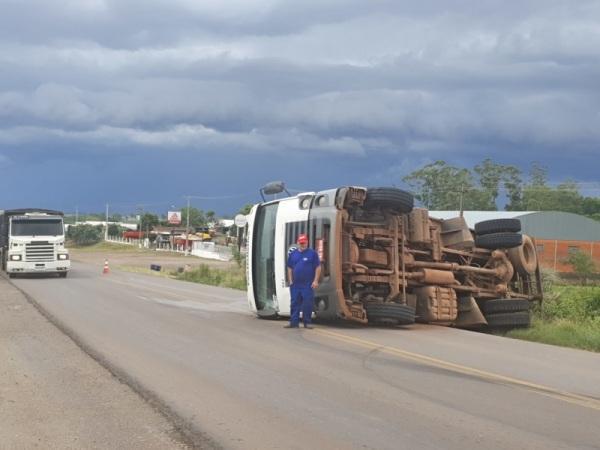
[389,256]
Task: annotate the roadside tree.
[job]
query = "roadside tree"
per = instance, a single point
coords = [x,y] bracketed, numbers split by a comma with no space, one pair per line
[197,219]
[583,265]
[85,234]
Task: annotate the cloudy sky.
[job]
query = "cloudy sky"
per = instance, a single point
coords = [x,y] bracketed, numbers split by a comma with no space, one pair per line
[144,101]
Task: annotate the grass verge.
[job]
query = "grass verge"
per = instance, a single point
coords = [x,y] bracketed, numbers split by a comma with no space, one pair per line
[562,332]
[569,317]
[234,278]
[146,271]
[108,247]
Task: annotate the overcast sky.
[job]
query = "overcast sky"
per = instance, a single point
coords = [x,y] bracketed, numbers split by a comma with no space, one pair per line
[145,101]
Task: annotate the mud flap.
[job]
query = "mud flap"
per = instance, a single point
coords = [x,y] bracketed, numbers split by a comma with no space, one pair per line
[469,315]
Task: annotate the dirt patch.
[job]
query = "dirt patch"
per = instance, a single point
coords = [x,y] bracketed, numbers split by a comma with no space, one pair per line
[142,259]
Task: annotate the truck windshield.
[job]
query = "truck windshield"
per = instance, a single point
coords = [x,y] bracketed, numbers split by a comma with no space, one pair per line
[37,227]
[263,262]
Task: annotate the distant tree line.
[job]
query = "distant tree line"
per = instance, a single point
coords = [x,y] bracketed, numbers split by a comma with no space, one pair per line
[198,218]
[441,186]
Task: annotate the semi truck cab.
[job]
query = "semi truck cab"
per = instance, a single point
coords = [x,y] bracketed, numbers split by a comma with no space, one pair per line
[33,241]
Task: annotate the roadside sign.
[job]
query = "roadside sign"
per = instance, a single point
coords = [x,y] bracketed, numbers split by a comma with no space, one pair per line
[240,221]
[174,217]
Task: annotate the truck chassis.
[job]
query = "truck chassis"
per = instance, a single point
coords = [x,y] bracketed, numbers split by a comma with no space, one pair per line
[388,263]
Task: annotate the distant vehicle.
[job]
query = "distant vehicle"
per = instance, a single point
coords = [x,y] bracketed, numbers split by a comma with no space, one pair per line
[386,262]
[33,241]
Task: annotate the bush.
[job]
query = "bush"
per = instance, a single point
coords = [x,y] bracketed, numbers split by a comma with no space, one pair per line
[85,234]
[575,303]
[550,278]
[569,316]
[115,230]
[583,265]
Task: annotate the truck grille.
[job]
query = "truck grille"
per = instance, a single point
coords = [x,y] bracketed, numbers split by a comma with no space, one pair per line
[39,251]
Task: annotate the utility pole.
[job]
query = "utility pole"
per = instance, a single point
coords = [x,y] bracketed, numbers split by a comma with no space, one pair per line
[106,225]
[141,209]
[187,225]
[188,197]
[76,214]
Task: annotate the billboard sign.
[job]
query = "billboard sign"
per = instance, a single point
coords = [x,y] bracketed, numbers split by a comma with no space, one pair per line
[174,217]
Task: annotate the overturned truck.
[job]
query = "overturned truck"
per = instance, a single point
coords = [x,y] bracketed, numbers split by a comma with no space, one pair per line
[385,262]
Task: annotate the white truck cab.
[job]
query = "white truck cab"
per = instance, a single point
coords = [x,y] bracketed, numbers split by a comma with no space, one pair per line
[33,241]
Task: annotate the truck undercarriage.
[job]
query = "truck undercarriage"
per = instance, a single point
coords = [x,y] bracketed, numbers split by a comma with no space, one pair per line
[398,264]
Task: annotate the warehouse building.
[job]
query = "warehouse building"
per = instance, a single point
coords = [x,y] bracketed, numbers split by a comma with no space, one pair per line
[557,234]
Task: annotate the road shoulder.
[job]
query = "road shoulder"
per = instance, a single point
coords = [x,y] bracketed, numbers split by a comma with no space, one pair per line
[53,395]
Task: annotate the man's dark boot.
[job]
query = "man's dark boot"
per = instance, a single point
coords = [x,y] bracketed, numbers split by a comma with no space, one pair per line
[289,325]
[308,325]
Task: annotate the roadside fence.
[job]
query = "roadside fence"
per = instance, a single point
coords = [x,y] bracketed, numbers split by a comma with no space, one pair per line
[208,250]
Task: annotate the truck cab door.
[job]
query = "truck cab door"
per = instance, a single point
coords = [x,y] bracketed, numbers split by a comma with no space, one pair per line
[292,220]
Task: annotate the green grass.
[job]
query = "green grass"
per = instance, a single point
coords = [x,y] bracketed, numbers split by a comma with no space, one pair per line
[569,317]
[146,271]
[103,246]
[562,332]
[234,278]
[575,303]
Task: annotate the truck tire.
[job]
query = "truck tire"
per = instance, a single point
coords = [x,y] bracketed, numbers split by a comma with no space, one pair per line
[520,319]
[505,305]
[498,226]
[62,274]
[390,314]
[393,198]
[524,257]
[498,240]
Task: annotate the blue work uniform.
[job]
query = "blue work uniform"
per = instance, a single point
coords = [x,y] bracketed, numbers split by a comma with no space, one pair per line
[304,266]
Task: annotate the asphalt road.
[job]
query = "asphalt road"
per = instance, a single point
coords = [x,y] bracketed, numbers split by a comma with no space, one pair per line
[234,381]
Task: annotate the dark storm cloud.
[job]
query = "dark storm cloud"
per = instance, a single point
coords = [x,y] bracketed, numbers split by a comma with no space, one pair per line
[399,80]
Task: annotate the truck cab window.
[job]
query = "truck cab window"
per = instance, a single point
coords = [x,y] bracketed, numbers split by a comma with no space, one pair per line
[264,256]
[37,227]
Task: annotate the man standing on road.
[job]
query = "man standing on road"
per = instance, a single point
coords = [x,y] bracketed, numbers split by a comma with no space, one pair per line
[304,271]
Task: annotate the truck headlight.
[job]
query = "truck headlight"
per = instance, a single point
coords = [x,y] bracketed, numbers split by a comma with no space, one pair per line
[15,257]
[63,256]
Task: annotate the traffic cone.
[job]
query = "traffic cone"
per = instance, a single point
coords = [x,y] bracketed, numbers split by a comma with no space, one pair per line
[106,269]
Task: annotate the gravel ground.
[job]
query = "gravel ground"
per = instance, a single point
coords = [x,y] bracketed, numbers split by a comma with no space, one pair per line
[53,395]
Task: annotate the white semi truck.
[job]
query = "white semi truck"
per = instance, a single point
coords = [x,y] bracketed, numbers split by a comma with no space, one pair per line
[386,262]
[33,241]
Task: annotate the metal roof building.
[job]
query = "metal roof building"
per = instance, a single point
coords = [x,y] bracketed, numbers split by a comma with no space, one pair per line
[557,234]
[540,224]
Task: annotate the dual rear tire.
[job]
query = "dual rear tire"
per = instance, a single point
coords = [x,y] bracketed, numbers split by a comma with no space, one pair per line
[390,314]
[498,233]
[507,313]
[498,226]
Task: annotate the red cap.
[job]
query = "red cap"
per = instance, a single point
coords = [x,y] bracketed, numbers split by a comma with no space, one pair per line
[302,239]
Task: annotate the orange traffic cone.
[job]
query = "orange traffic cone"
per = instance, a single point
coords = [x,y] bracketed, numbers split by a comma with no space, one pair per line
[106,269]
